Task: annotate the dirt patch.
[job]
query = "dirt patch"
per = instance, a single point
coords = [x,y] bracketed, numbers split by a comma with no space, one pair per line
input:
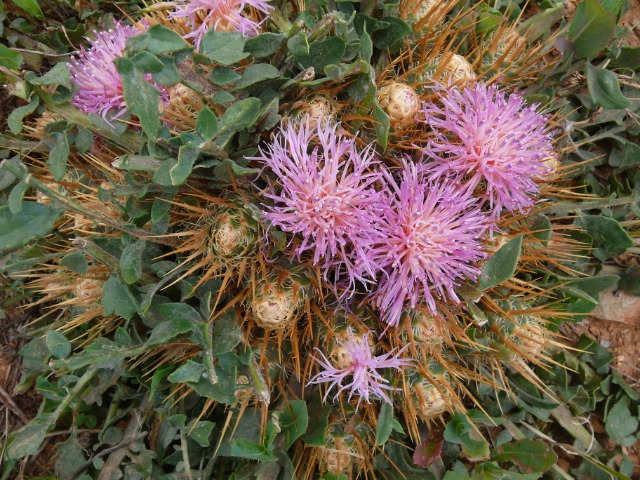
[631,21]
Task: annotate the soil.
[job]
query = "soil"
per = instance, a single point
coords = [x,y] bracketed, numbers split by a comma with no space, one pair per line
[631,21]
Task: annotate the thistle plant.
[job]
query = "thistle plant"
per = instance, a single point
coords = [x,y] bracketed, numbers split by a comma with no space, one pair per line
[321,239]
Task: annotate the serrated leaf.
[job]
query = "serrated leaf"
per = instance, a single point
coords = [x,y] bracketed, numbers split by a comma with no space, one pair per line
[116,298]
[532,455]
[57,344]
[34,220]
[58,156]
[294,421]
[502,265]
[591,28]
[131,261]
[225,48]
[14,120]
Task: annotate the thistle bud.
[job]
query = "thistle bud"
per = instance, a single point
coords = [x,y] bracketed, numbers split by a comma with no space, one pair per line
[400,101]
[458,69]
[340,355]
[531,337]
[426,329]
[233,235]
[339,454]
[427,399]
[510,44]
[88,291]
[274,306]
[317,108]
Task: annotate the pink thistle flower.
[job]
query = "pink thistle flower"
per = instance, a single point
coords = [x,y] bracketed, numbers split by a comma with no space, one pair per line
[94,72]
[326,196]
[222,15]
[489,142]
[362,367]
[430,240]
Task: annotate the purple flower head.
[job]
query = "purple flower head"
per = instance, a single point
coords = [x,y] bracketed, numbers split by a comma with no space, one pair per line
[326,196]
[221,15]
[489,142]
[94,73]
[362,367]
[430,238]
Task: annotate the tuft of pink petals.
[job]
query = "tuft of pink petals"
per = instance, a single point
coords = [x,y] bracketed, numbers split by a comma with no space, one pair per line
[490,142]
[94,73]
[326,196]
[366,381]
[221,15]
[430,238]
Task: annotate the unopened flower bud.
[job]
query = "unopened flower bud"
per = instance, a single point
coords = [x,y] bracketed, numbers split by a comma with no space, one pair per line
[400,101]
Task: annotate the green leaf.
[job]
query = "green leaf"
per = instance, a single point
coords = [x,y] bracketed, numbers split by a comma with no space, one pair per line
[391,37]
[165,331]
[141,97]
[76,261]
[621,425]
[58,156]
[246,449]
[384,427]
[502,265]
[541,228]
[604,88]
[223,75]
[187,156]
[16,197]
[131,261]
[206,124]
[591,28]
[382,125]
[57,344]
[239,116]
[189,372]
[31,7]
[532,455]
[58,75]
[200,431]
[28,439]
[147,62]
[226,334]
[609,238]
[34,220]
[322,53]
[179,310]
[265,44]
[294,421]
[70,459]
[157,40]
[366,46]
[257,73]
[9,58]
[298,45]
[592,285]
[459,430]
[14,120]
[228,169]
[116,298]
[225,48]
[318,423]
